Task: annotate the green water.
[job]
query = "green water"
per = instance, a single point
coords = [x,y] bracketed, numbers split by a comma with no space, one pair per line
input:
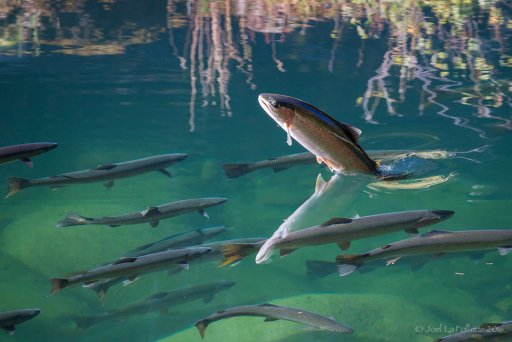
[104,80]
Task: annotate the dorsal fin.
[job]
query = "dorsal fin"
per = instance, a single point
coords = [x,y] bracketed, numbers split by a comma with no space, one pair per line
[105,167]
[320,184]
[124,260]
[435,232]
[336,220]
[150,211]
[268,305]
[353,132]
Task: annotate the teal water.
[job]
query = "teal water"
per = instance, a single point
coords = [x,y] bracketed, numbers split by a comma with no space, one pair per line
[121,80]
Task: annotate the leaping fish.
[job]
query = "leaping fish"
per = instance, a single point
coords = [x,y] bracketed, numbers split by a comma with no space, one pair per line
[153,215]
[102,173]
[23,152]
[273,312]
[334,143]
[435,242]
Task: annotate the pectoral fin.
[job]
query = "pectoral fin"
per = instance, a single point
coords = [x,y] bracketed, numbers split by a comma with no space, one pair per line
[109,184]
[10,329]
[154,224]
[344,245]
[165,173]
[27,161]
[204,213]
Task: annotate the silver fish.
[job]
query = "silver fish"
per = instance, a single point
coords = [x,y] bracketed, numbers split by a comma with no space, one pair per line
[23,152]
[487,332]
[153,215]
[131,267]
[9,319]
[273,312]
[342,231]
[228,252]
[161,302]
[434,242]
[102,173]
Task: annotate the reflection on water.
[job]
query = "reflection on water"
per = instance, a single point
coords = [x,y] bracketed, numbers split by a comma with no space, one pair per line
[435,45]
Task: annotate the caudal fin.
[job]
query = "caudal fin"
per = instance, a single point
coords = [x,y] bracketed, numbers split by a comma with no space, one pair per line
[347,263]
[236,170]
[233,253]
[15,185]
[318,269]
[83,323]
[72,219]
[57,285]
[201,326]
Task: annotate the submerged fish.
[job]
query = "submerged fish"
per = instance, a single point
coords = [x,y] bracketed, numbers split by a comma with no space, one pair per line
[278,164]
[228,252]
[273,312]
[495,332]
[333,143]
[9,319]
[435,242]
[131,267]
[342,231]
[23,152]
[190,238]
[153,215]
[102,173]
[161,302]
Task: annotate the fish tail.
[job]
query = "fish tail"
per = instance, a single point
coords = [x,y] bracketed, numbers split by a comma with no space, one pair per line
[72,219]
[83,323]
[318,269]
[347,263]
[236,170]
[57,285]
[15,185]
[232,253]
[201,326]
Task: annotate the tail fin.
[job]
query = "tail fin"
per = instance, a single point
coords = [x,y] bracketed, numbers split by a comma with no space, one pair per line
[83,323]
[318,269]
[15,185]
[233,253]
[201,326]
[236,170]
[72,219]
[57,285]
[347,263]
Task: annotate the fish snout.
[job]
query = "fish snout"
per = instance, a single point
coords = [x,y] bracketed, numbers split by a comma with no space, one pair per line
[50,146]
[180,156]
[29,313]
[209,202]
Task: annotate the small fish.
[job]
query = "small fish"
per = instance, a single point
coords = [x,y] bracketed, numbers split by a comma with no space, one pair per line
[333,143]
[342,230]
[435,242]
[9,319]
[23,152]
[102,173]
[281,163]
[161,302]
[273,312]
[131,267]
[495,332]
[153,215]
[228,252]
